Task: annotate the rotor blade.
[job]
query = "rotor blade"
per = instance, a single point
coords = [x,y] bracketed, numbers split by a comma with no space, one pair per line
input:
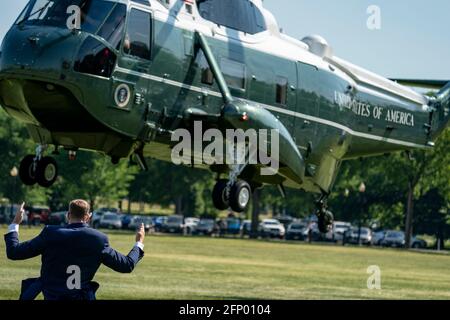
[421,83]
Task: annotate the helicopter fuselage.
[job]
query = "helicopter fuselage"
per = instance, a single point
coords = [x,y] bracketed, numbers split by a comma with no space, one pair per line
[333,111]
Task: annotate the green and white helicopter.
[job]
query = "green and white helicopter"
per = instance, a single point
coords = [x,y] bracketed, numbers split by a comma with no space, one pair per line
[133,72]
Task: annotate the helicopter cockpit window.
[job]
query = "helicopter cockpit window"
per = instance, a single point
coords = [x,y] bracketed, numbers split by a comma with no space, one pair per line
[54,13]
[138,36]
[241,15]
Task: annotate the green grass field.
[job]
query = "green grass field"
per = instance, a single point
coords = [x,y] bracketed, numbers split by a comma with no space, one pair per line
[209,268]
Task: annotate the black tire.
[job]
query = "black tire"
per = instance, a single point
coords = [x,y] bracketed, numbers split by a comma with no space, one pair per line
[325,221]
[219,196]
[240,196]
[26,172]
[46,172]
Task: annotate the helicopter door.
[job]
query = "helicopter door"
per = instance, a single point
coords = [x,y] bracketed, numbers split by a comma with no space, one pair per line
[134,62]
[307,107]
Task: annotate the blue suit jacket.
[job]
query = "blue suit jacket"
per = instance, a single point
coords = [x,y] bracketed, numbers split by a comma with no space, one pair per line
[62,247]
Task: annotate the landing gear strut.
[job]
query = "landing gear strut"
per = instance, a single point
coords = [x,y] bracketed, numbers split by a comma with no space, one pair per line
[38,169]
[325,217]
[233,193]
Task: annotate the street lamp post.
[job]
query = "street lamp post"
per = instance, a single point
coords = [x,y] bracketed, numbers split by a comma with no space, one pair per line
[362,190]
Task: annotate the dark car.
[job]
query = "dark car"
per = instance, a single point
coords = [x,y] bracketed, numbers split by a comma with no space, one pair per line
[205,227]
[246,228]
[297,231]
[58,218]
[174,224]
[126,219]
[396,239]
[37,215]
[136,221]
[233,226]
[7,213]
[159,222]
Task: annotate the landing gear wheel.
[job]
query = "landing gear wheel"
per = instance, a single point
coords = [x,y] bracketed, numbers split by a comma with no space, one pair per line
[46,172]
[220,196]
[27,172]
[325,221]
[240,196]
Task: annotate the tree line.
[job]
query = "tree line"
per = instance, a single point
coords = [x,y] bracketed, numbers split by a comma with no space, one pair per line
[401,191]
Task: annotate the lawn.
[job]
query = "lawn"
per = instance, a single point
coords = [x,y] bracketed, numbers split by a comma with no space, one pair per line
[210,268]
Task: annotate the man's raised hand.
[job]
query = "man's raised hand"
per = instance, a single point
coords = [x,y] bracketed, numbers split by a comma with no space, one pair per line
[140,234]
[19,214]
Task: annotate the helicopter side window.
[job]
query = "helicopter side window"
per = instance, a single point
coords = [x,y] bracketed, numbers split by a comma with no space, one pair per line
[112,29]
[234,73]
[138,36]
[241,15]
[207,76]
[282,86]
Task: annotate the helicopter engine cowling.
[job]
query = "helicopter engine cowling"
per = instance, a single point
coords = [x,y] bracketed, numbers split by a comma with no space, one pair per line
[441,117]
[243,115]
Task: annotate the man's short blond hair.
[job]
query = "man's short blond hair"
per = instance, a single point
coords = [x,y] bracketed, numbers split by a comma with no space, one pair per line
[79,208]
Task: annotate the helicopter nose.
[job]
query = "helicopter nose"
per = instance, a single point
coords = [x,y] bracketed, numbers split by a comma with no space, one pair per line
[36,53]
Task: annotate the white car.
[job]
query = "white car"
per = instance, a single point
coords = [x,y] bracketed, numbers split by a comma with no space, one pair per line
[272,228]
[110,221]
[190,224]
[338,231]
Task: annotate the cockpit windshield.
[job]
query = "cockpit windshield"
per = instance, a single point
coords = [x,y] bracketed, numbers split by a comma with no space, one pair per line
[60,13]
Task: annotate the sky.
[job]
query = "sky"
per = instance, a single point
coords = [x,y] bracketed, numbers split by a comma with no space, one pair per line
[413,40]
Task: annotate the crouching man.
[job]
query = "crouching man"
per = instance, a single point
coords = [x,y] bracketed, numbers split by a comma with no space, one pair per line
[71,256]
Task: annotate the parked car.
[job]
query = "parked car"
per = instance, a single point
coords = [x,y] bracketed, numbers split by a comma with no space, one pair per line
[38,214]
[339,230]
[272,228]
[8,212]
[418,243]
[159,223]
[297,231]
[365,237]
[110,220]
[313,233]
[126,219]
[233,226]
[58,218]
[394,239]
[112,210]
[246,228]
[136,221]
[205,227]
[174,224]
[378,237]
[285,220]
[190,224]
[96,217]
